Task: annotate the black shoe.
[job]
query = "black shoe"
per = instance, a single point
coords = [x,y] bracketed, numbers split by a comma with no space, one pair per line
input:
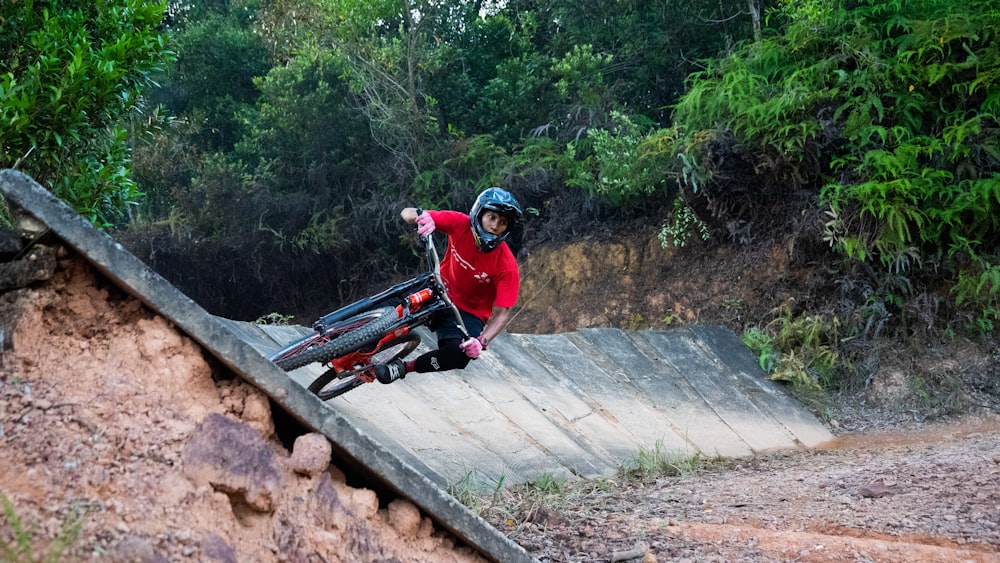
[387,373]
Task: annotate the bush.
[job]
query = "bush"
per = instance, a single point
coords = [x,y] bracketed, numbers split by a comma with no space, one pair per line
[889,111]
[73,76]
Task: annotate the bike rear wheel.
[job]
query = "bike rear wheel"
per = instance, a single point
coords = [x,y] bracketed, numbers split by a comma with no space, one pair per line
[332,384]
[346,336]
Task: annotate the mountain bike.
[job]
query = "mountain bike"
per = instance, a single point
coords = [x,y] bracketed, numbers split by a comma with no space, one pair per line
[375,330]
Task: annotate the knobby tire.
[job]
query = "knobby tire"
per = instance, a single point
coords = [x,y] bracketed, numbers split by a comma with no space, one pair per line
[355,333]
[286,357]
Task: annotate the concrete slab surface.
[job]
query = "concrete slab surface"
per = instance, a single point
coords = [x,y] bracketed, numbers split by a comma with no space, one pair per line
[576,405]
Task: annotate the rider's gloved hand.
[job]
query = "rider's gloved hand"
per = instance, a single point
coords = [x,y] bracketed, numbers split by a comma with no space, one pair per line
[472,347]
[425,224]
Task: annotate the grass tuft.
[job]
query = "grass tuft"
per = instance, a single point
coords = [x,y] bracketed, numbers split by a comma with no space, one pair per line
[17,541]
[659,462]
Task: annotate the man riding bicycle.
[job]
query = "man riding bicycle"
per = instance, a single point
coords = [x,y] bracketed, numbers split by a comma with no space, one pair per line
[482,279]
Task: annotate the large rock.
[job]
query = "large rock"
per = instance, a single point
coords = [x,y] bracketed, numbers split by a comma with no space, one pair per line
[233,458]
[36,264]
[10,245]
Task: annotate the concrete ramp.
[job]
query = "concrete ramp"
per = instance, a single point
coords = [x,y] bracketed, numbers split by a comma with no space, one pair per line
[577,405]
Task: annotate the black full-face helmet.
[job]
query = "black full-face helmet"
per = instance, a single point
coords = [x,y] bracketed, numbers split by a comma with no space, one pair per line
[500,201]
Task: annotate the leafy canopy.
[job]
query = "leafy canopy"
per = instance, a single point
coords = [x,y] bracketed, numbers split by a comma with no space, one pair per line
[73,74]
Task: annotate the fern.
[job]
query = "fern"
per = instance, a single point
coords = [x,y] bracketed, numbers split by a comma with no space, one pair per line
[797,350]
[761,344]
[978,287]
[892,109]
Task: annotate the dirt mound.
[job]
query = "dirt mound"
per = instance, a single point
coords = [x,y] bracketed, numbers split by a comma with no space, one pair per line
[633,282]
[113,419]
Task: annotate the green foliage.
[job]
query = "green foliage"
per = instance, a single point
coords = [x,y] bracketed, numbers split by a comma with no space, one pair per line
[890,109]
[745,95]
[390,56]
[301,122]
[799,350]
[21,548]
[658,462]
[500,108]
[276,319]
[470,164]
[6,221]
[884,114]
[472,490]
[763,345]
[734,307]
[672,319]
[924,166]
[653,45]
[681,225]
[212,79]
[323,234]
[281,176]
[622,176]
[657,155]
[692,156]
[580,75]
[73,76]
[978,286]
[547,484]
[619,163]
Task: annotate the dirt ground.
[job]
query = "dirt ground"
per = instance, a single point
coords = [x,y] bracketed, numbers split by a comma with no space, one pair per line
[107,411]
[927,495]
[112,420]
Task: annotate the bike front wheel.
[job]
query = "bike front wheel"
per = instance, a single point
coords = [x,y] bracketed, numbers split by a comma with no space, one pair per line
[341,338]
[332,384]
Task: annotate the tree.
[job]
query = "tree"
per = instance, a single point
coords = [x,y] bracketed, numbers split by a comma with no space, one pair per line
[73,74]
[372,104]
[212,81]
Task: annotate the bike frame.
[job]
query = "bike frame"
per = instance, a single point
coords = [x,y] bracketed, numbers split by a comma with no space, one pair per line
[415,301]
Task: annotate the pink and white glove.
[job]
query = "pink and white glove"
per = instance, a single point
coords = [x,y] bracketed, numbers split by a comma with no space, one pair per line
[472,347]
[425,224]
